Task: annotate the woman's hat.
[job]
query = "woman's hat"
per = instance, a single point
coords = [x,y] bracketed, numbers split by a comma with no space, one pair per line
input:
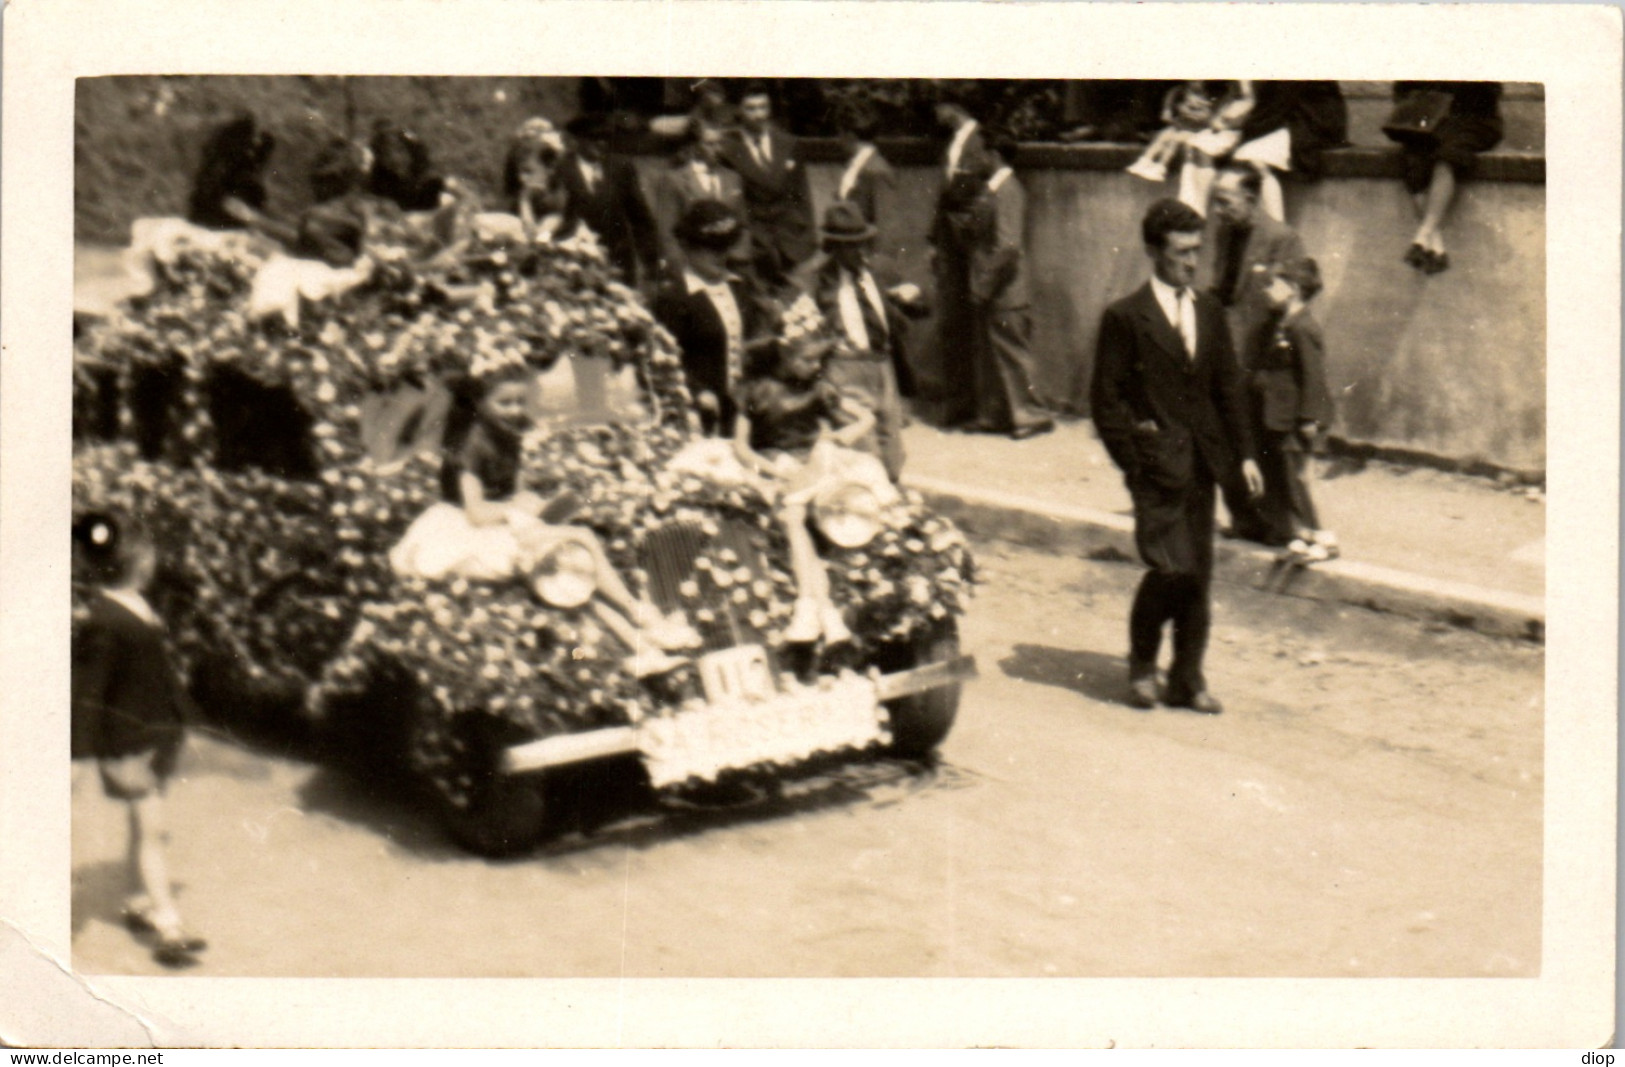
[844,224]
[708,224]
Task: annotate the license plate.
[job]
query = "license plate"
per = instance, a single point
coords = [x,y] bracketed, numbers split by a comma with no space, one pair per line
[699,743]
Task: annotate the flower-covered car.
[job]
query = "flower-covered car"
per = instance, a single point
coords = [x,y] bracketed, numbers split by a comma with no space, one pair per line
[278,463]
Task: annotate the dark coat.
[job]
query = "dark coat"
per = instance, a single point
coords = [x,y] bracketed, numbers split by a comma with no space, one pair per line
[676,190]
[616,210]
[1288,375]
[126,696]
[778,204]
[1314,111]
[702,341]
[825,286]
[1199,405]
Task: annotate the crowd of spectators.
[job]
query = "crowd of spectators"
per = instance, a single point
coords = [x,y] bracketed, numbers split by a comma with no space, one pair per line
[734,167]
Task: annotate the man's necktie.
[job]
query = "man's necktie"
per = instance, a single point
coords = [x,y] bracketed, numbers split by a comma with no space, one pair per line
[1187,321]
[873,321]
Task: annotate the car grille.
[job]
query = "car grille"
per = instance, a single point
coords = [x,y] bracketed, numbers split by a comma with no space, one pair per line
[668,558]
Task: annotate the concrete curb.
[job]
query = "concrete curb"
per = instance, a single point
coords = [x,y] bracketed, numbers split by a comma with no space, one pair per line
[1065,528]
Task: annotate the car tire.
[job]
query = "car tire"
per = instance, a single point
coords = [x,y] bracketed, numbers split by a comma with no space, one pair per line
[495,814]
[920,721]
[509,815]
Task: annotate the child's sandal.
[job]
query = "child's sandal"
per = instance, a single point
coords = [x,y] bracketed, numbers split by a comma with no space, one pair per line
[805,622]
[674,634]
[137,917]
[834,625]
[650,662]
[179,950]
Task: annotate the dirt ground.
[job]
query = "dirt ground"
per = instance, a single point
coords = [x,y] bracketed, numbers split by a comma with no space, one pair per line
[1369,804]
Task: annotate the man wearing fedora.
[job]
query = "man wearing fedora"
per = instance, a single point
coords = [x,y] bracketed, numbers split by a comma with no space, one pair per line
[602,193]
[711,312]
[870,321]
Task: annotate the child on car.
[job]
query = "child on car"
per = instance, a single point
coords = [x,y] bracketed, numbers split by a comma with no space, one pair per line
[486,528]
[799,432]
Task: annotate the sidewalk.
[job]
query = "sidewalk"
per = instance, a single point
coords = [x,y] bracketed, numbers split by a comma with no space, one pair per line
[1417,542]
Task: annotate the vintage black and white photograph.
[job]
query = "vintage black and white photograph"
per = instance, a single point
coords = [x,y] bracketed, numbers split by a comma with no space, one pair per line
[757,525]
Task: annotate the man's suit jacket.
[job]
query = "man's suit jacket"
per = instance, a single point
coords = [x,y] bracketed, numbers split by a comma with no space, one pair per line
[948,224]
[676,189]
[1143,373]
[825,283]
[702,341]
[1268,245]
[776,196]
[998,275]
[873,184]
[126,696]
[615,210]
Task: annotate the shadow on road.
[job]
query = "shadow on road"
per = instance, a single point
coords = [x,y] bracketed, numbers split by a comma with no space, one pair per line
[379,806]
[1093,674]
[822,786]
[610,809]
[99,890]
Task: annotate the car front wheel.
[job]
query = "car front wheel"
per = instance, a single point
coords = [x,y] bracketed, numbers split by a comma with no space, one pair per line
[482,808]
[920,721]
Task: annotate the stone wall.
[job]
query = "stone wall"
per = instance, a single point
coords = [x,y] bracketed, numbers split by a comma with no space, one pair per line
[1452,364]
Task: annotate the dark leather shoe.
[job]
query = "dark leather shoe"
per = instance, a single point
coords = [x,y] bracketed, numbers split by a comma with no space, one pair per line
[178,949]
[1201,701]
[1021,433]
[1142,692]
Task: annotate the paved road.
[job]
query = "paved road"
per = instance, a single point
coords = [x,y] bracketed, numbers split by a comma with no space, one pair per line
[1370,804]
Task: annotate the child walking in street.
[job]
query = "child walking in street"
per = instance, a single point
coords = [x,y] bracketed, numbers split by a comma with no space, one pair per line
[129,714]
[487,529]
[797,430]
[1291,409]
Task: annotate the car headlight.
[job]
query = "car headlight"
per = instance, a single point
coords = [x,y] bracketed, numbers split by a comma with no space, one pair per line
[848,514]
[566,576]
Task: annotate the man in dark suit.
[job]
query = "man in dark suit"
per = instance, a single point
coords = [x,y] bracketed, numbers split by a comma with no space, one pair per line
[1169,405]
[1006,401]
[696,173]
[602,193]
[867,179]
[778,205]
[712,313]
[870,320]
[964,170]
[1249,246]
